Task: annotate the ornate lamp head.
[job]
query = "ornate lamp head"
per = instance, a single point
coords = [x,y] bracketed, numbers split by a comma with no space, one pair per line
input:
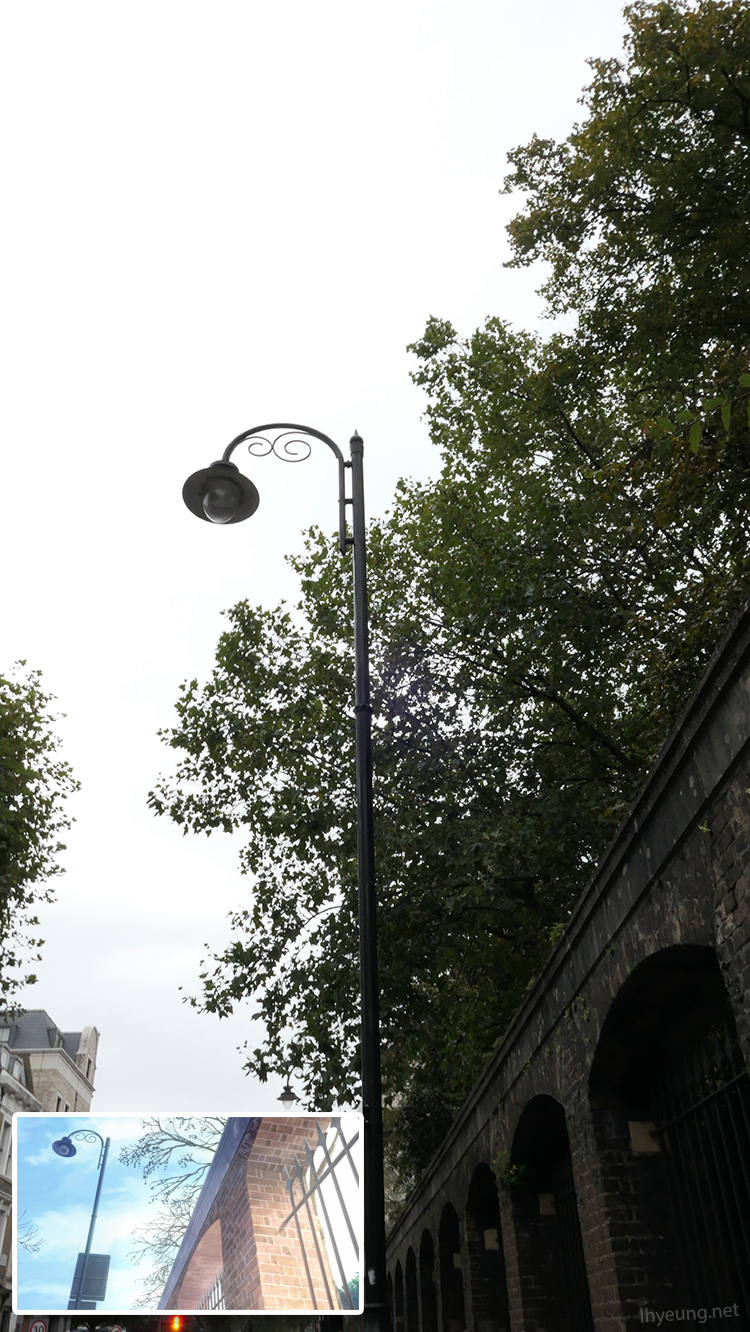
[64,1147]
[288,1097]
[220,494]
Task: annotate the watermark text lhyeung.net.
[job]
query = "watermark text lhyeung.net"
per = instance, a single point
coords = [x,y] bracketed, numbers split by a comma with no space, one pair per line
[689,1315]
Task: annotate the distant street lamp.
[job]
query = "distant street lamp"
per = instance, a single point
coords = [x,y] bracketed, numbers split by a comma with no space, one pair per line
[64,1147]
[221,494]
[288,1097]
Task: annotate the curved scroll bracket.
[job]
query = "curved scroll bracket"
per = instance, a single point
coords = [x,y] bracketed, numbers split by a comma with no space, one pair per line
[90,1135]
[291,443]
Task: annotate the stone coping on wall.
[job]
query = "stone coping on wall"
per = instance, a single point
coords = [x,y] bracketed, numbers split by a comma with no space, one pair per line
[708,740]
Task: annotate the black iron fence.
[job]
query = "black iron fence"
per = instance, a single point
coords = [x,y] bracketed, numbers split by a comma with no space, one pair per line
[213,1298]
[574,1261]
[703,1108]
[304,1182]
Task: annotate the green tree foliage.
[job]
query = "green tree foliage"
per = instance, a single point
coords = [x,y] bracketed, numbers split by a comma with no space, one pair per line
[643,212]
[353,1289]
[539,613]
[33,787]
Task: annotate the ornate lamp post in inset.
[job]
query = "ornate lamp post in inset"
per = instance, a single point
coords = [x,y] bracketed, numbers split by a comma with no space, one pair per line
[64,1147]
[221,494]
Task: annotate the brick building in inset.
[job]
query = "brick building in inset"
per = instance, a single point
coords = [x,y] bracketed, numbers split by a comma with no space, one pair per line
[259,1237]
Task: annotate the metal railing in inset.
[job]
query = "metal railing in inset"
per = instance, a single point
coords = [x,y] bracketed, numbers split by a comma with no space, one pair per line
[308,1178]
[213,1298]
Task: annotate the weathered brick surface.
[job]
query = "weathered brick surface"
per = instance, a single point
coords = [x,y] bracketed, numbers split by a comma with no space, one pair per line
[282,1273]
[250,1232]
[660,941]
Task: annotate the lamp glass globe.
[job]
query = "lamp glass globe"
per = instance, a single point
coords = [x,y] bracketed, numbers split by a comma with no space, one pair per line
[64,1147]
[222,499]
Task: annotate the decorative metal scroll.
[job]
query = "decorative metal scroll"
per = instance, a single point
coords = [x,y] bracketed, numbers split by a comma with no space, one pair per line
[213,1298]
[291,443]
[89,1135]
[288,445]
[306,1177]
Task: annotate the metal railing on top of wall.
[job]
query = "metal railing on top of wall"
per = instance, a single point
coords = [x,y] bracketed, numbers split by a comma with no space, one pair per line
[308,1178]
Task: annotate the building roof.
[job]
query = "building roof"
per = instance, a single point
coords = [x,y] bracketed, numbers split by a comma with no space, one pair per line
[35,1030]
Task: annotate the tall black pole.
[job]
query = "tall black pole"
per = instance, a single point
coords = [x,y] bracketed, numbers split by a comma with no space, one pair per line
[376,1317]
[94,1214]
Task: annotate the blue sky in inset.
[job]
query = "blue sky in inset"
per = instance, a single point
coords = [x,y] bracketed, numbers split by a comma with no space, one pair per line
[56,1194]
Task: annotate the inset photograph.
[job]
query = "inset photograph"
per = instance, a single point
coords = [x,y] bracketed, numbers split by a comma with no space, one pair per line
[126,1214]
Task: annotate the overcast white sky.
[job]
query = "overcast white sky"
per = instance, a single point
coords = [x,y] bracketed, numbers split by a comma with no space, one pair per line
[217,215]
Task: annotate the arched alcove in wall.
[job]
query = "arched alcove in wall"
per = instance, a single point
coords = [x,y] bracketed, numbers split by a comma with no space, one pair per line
[202,1271]
[427,1289]
[551,1262]
[451,1276]
[398,1299]
[670,1104]
[489,1290]
[411,1296]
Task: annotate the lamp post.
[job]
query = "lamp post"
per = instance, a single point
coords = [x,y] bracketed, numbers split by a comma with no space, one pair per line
[221,494]
[288,1097]
[64,1147]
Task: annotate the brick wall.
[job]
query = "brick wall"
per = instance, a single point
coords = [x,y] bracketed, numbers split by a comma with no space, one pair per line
[656,951]
[251,1235]
[282,1271]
